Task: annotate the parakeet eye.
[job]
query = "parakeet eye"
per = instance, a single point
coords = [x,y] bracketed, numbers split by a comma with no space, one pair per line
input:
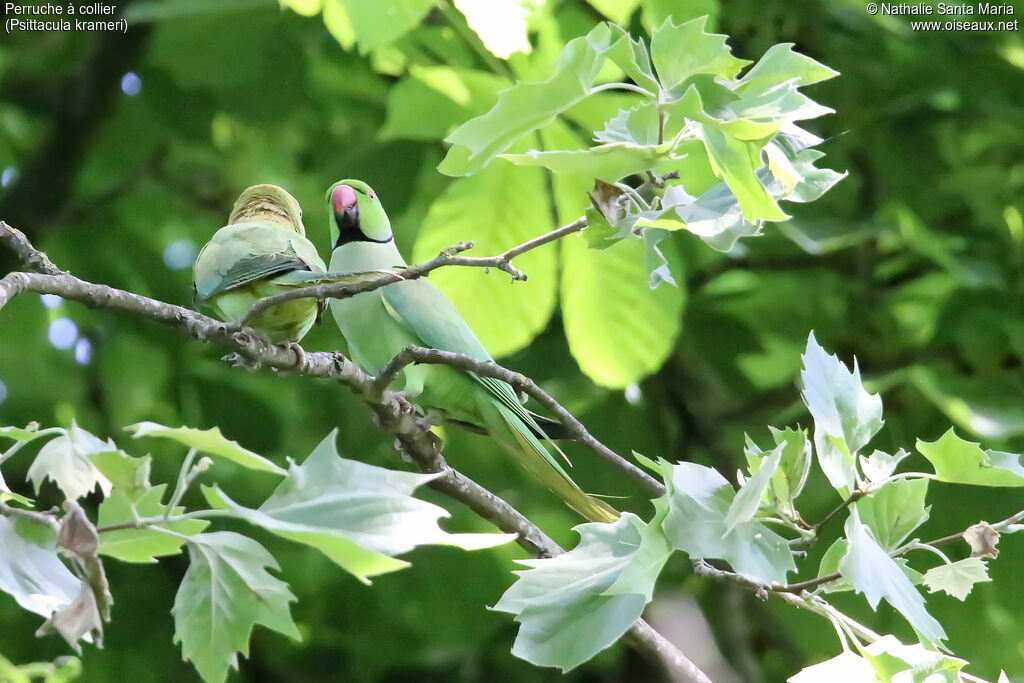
[372,196]
[300,213]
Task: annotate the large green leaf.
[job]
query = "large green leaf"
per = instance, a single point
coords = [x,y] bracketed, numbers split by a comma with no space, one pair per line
[225,592]
[383,21]
[431,100]
[497,208]
[748,499]
[358,515]
[527,106]
[736,161]
[210,441]
[608,162]
[680,52]
[872,572]
[30,570]
[895,510]
[780,64]
[915,662]
[65,460]
[699,503]
[964,462]
[845,415]
[572,606]
[619,329]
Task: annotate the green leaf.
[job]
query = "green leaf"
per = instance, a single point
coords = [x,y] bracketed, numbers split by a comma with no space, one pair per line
[890,657]
[780,64]
[843,668]
[383,21]
[526,107]
[225,592]
[599,286]
[748,499]
[957,578]
[630,55]
[129,476]
[505,316]
[895,510]
[810,181]
[637,126]
[65,461]
[680,52]
[872,572]
[699,502]
[715,216]
[618,11]
[30,570]
[845,415]
[608,162]
[358,515]
[572,606]
[735,161]
[964,462]
[431,100]
[145,544]
[788,481]
[210,441]
[29,433]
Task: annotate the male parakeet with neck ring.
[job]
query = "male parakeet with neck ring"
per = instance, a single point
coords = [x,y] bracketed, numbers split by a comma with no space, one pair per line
[380,323]
[262,251]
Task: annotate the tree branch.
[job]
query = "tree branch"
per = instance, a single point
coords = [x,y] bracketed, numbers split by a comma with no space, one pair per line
[448,257]
[393,411]
[419,354]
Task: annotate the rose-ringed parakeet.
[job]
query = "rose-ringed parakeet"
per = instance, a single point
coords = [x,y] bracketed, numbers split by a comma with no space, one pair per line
[380,323]
[262,251]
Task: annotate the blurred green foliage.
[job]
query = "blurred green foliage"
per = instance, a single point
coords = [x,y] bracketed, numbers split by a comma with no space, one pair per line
[914,264]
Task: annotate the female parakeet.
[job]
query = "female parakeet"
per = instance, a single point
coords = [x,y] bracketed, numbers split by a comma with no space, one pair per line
[380,323]
[262,251]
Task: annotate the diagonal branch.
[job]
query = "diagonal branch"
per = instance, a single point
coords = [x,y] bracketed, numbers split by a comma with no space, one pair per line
[448,257]
[392,410]
[418,354]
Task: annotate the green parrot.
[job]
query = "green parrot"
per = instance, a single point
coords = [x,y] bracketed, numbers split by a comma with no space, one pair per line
[262,251]
[380,323]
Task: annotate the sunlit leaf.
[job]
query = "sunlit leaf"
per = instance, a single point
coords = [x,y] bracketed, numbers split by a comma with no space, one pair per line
[957,578]
[915,662]
[964,462]
[845,415]
[873,573]
[572,606]
[880,465]
[780,64]
[225,592]
[699,502]
[895,510]
[143,544]
[609,162]
[505,316]
[210,441]
[843,668]
[30,570]
[686,50]
[748,499]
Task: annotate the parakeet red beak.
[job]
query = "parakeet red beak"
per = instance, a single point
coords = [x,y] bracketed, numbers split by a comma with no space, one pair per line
[346,208]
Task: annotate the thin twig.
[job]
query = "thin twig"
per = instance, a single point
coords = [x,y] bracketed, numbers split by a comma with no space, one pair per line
[447,257]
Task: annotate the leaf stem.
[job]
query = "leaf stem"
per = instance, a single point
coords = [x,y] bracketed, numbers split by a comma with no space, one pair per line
[184,480]
[622,86]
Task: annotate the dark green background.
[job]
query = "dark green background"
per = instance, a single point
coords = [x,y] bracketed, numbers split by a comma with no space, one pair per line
[920,277]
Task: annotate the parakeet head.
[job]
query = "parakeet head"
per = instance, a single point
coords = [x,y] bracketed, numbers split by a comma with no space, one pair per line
[356,214]
[269,204]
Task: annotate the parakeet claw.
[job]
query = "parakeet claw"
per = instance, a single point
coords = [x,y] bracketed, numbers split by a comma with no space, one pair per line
[237,360]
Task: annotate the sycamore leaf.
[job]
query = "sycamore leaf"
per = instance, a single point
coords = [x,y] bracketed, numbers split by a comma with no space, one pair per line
[526,107]
[872,572]
[28,433]
[964,462]
[572,606]
[30,570]
[699,502]
[845,415]
[957,578]
[225,592]
[843,668]
[637,126]
[915,662]
[744,506]
[788,481]
[983,540]
[895,510]
[608,162]
[680,52]
[780,64]
[735,162]
[630,54]
[210,441]
[143,544]
[65,460]
[358,515]
[383,21]
[880,465]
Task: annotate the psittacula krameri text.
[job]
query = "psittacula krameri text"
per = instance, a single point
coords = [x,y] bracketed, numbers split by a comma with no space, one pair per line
[380,323]
[262,251]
